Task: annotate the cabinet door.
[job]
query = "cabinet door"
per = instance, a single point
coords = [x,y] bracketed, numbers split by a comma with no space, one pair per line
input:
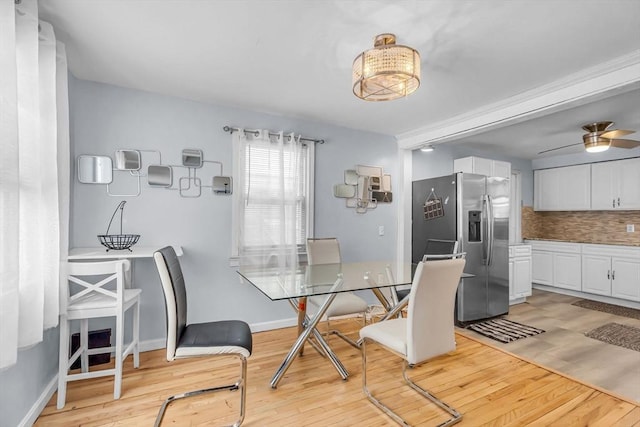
[521,277]
[574,183]
[511,280]
[483,166]
[602,183]
[546,191]
[567,273]
[628,184]
[542,267]
[596,274]
[501,169]
[625,278]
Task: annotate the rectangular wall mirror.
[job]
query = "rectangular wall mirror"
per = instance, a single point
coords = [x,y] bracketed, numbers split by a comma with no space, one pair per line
[128,160]
[159,176]
[350,177]
[344,190]
[222,185]
[95,169]
[192,158]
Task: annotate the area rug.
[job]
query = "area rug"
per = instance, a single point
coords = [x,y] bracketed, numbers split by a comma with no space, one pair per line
[617,334]
[608,308]
[504,330]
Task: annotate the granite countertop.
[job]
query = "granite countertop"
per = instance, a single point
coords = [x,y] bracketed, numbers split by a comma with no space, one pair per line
[587,242]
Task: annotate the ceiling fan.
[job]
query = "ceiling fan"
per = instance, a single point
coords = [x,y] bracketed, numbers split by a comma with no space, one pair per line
[600,139]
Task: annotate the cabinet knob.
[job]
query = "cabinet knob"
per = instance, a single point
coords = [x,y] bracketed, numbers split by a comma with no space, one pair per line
[618,201]
[613,203]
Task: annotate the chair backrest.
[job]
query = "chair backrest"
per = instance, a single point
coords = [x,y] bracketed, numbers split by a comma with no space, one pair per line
[323,251]
[439,249]
[175,296]
[87,280]
[430,317]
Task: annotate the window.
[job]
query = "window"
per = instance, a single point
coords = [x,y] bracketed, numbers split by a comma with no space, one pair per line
[273,213]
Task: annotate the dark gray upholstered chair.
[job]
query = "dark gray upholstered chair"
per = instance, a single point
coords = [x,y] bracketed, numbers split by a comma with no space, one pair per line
[219,338]
[435,249]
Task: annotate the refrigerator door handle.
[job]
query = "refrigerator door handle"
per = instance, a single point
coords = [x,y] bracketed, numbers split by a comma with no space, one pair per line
[489,203]
[485,230]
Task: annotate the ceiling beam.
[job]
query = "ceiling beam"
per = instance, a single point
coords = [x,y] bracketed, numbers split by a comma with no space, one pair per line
[604,80]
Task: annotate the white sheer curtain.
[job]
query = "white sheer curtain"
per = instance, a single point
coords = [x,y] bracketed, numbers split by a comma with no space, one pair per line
[34,134]
[271,174]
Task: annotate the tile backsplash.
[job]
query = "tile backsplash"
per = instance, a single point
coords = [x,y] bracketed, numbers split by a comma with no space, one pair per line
[604,227]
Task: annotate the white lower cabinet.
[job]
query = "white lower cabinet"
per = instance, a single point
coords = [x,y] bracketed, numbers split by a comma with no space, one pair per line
[596,271]
[612,271]
[519,272]
[625,278]
[542,268]
[566,271]
[557,264]
[608,270]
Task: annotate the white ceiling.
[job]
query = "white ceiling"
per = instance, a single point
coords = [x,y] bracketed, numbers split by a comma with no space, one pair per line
[294,57]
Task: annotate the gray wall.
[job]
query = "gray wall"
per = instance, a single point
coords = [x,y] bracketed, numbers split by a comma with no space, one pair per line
[105,118]
[440,162]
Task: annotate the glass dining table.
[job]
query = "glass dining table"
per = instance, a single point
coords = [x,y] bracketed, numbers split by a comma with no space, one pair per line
[296,285]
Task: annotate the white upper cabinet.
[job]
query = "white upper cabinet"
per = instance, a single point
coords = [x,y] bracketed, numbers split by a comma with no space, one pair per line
[563,189]
[482,166]
[615,185]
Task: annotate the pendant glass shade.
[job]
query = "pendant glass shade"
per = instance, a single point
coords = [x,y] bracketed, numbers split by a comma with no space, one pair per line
[386,72]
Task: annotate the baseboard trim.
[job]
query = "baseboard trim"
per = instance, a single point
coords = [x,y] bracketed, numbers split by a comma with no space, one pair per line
[584,295]
[147,345]
[37,408]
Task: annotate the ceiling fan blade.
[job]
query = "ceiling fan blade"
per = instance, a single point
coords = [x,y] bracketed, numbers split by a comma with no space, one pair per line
[612,134]
[625,143]
[559,148]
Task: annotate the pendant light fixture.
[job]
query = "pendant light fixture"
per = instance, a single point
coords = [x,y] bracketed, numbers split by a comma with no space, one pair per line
[388,71]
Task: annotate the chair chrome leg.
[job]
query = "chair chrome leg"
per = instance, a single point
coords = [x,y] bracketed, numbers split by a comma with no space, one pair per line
[239,385]
[349,341]
[344,337]
[456,416]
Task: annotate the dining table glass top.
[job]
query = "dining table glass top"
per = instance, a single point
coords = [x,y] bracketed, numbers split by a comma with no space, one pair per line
[322,279]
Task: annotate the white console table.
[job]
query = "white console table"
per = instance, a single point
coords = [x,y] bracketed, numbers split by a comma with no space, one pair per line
[100,252]
[97,253]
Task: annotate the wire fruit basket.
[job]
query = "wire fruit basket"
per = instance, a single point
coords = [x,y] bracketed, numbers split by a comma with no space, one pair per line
[118,242]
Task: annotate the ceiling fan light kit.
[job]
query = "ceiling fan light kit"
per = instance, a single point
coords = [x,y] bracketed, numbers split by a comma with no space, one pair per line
[595,144]
[386,72]
[599,138]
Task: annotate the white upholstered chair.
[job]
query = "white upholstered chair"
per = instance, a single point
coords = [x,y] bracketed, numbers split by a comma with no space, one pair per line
[218,338]
[434,249]
[96,289]
[426,332]
[327,251]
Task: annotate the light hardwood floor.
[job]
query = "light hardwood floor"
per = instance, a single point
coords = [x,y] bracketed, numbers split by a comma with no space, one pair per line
[564,346]
[487,385]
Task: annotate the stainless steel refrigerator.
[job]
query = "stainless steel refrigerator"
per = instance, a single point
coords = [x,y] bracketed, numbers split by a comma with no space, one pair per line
[474,210]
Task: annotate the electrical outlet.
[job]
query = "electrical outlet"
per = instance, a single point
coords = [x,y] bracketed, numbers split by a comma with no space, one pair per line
[381,230]
[631,228]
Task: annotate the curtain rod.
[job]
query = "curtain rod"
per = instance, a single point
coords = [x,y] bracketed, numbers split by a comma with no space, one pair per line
[256,133]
